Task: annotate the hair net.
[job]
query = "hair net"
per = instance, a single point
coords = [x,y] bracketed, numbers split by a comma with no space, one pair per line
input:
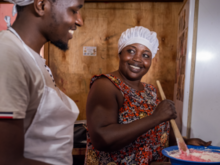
[140,35]
[19,3]
[14,11]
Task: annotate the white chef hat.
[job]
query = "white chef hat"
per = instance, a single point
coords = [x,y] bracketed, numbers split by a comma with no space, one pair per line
[14,11]
[140,35]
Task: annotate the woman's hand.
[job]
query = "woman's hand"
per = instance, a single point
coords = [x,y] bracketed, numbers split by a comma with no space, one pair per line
[197,142]
[165,110]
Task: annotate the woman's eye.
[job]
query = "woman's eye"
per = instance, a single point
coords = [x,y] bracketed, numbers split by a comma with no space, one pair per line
[146,55]
[131,51]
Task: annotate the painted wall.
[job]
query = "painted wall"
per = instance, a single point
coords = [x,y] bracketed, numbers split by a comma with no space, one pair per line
[5,10]
[205,92]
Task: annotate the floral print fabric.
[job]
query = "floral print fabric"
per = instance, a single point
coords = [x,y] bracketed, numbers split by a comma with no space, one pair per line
[147,147]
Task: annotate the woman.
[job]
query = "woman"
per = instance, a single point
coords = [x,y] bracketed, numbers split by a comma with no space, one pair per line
[127,124]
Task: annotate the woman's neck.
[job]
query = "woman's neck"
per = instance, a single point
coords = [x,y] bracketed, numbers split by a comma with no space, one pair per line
[135,84]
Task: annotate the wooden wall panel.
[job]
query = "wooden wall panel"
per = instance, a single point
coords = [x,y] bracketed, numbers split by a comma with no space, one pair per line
[103,25]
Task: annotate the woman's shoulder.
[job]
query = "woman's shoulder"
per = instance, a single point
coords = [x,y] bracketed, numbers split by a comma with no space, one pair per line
[99,78]
[106,79]
[102,87]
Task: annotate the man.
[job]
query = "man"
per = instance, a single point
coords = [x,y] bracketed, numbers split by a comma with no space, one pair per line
[36,118]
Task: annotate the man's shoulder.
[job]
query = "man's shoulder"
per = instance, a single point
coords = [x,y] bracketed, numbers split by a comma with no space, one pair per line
[6,36]
[10,46]
[9,42]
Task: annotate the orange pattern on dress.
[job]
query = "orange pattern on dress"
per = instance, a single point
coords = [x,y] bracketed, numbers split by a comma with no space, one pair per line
[147,147]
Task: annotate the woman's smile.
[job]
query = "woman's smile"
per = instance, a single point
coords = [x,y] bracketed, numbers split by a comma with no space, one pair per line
[134,68]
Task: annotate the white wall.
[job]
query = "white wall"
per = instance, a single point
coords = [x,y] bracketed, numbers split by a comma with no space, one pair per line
[206,93]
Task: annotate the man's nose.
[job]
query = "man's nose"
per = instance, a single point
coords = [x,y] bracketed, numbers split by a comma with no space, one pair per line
[79,21]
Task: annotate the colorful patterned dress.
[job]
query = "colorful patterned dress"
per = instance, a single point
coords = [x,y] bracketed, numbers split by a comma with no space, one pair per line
[147,147]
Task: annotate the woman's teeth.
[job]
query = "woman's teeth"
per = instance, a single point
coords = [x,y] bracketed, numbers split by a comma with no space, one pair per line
[135,67]
[71,32]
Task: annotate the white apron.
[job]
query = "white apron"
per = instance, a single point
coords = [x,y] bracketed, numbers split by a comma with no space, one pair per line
[50,136]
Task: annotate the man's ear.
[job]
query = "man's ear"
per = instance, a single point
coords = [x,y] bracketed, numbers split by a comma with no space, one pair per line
[40,6]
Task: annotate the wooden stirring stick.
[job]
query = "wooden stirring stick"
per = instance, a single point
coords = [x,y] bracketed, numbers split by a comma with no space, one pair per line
[181,143]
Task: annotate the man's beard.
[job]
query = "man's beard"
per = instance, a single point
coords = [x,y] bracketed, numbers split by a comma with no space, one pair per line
[61,45]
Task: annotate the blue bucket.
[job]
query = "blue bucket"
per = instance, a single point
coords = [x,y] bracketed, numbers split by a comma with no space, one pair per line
[175,161]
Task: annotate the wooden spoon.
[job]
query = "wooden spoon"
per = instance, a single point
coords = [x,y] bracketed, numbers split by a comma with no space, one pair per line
[181,143]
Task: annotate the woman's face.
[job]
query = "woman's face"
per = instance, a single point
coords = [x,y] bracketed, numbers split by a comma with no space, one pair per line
[135,61]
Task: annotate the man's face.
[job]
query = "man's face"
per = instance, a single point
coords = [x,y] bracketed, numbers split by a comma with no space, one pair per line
[62,20]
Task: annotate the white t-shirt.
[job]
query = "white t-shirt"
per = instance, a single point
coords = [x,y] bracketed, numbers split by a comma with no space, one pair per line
[21,83]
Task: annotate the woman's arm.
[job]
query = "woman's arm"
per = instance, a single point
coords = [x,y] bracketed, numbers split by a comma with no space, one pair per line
[104,101]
